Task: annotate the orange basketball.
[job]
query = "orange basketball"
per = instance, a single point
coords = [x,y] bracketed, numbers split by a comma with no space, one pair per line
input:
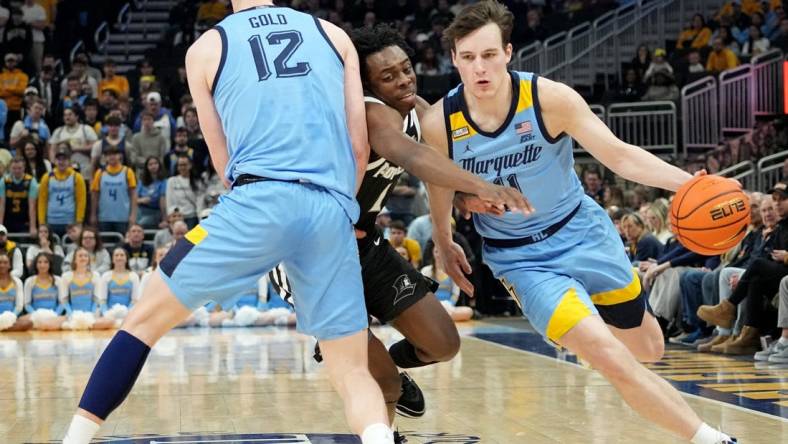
[710,214]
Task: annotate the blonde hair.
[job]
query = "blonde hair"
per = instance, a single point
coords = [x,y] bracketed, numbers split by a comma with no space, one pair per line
[659,208]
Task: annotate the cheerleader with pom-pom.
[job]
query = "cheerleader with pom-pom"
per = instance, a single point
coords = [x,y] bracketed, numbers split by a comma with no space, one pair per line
[257,308]
[79,293]
[42,296]
[11,299]
[119,287]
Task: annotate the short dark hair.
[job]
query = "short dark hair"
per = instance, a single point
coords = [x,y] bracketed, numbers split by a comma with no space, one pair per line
[397,225]
[371,40]
[91,102]
[478,15]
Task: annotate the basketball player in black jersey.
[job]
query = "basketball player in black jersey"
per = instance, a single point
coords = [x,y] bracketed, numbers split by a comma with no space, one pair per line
[395,292]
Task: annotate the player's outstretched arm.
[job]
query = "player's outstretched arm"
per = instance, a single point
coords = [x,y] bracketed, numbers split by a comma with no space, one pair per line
[202,63]
[354,97]
[457,266]
[564,110]
[385,134]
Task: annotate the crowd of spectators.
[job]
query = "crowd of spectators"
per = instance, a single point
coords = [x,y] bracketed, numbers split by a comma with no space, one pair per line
[737,32]
[695,297]
[88,149]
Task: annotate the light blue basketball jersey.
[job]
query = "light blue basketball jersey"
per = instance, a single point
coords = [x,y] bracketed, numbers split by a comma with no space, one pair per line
[520,154]
[114,202]
[44,297]
[8,298]
[119,292]
[80,296]
[279,92]
[61,209]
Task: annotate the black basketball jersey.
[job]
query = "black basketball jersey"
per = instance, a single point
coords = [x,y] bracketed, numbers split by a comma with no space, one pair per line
[381,176]
[16,203]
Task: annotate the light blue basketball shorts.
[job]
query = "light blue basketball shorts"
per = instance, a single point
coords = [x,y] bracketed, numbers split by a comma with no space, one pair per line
[255,227]
[579,271]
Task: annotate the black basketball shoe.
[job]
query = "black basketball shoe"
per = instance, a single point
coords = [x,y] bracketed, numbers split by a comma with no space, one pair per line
[399,439]
[411,402]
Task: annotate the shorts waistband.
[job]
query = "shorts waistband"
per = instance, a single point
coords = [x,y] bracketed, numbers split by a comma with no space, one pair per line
[533,238]
[246,179]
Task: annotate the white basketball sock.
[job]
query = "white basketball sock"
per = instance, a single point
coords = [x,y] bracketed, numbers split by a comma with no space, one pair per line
[81,430]
[377,434]
[708,435]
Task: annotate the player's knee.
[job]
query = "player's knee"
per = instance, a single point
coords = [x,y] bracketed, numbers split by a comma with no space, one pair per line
[445,347]
[611,358]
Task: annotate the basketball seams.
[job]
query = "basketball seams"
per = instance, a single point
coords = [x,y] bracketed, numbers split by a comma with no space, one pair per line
[678,207]
[747,216]
[685,235]
[683,196]
[708,251]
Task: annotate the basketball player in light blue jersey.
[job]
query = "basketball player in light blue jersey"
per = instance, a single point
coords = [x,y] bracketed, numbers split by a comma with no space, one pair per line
[11,299]
[281,106]
[564,263]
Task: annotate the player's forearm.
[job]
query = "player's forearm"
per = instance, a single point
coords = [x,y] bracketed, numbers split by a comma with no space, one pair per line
[440,212]
[638,165]
[433,168]
[361,154]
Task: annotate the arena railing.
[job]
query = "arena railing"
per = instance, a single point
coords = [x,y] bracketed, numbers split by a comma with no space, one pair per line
[101,43]
[610,32]
[770,170]
[700,115]
[649,125]
[80,45]
[530,57]
[766,81]
[580,38]
[555,49]
[736,99]
[644,20]
[122,24]
[745,172]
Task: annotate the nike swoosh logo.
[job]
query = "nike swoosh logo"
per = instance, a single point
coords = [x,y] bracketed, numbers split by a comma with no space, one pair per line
[377,242]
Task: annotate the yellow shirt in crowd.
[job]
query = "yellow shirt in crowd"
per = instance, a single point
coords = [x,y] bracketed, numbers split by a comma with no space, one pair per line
[119,84]
[698,39]
[212,11]
[80,194]
[721,61]
[95,184]
[12,87]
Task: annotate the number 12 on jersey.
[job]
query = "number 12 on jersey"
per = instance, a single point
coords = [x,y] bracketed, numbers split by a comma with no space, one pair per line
[292,40]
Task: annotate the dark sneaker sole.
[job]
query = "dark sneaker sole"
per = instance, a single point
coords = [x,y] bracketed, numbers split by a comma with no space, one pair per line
[409,413]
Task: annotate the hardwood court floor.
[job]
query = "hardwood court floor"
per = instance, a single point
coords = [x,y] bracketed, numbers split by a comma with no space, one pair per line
[262,386]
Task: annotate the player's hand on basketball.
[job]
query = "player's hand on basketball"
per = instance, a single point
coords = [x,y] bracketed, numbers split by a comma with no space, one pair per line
[779,255]
[467,204]
[456,265]
[703,173]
